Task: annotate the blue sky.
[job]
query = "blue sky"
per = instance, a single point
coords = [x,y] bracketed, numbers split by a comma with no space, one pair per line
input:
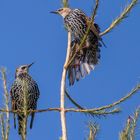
[28,32]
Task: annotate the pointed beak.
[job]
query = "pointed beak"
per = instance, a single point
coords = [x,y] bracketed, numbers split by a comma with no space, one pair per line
[30,64]
[54,12]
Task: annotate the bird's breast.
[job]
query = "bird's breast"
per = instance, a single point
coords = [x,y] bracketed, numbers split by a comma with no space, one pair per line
[76,24]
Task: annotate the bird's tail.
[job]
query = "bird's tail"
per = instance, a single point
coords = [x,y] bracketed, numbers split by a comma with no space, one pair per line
[78,71]
[32,120]
[14,120]
[22,124]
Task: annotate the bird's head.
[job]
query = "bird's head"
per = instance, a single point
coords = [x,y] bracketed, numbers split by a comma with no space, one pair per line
[23,69]
[62,11]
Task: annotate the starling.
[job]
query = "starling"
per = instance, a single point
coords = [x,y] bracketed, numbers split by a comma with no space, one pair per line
[85,60]
[23,86]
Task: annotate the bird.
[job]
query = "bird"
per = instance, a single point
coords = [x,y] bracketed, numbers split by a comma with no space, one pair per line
[24,92]
[76,22]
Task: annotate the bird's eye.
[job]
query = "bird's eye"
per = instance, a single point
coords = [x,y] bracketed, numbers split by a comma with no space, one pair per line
[60,10]
[23,68]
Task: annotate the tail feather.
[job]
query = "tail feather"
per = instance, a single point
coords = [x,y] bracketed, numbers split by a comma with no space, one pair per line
[32,120]
[22,124]
[77,72]
[71,76]
[86,68]
[14,120]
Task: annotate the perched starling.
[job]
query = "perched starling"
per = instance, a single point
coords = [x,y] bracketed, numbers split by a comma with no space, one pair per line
[23,86]
[85,60]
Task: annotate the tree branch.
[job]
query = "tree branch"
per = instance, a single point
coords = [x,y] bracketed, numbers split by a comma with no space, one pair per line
[6,97]
[63,82]
[62,99]
[100,110]
[65,3]
[128,132]
[95,9]
[132,92]
[94,128]
[120,18]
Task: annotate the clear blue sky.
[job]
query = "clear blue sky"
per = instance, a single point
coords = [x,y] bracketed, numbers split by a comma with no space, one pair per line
[28,32]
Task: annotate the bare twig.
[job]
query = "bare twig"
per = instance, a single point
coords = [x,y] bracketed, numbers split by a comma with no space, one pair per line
[2,127]
[6,96]
[120,18]
[103,112]
[133,91]
[95,9]
[63,82]
[65,3]
[73,101]
[87,111]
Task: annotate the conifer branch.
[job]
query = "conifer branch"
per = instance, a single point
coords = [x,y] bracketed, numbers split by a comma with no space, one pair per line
[2,126]
[93,130]
[118,20]
[5,124]
[128,132]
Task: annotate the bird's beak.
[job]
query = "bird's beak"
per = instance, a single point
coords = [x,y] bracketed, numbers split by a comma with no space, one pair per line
[30,64]
[54,12]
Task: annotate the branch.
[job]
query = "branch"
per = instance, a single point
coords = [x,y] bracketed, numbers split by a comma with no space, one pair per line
[134,122]
[2,127]
[63,82]
[97,113]
[6,96]
[73,101]
[31,111]
[128,132]
[133,91]
[95,9]
[94,128]
[103,112]
[62,99]
[87,111]
[94,110]
[120,18]
[65,3]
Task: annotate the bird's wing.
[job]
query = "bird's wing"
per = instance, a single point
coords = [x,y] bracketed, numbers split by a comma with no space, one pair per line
[36,96]
[13,106]
[93,28]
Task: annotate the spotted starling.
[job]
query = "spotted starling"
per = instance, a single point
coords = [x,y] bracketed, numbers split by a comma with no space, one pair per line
[85,60]
[23,86]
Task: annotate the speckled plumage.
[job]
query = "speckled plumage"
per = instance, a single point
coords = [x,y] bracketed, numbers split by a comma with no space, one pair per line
[24,83]
[86,59]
